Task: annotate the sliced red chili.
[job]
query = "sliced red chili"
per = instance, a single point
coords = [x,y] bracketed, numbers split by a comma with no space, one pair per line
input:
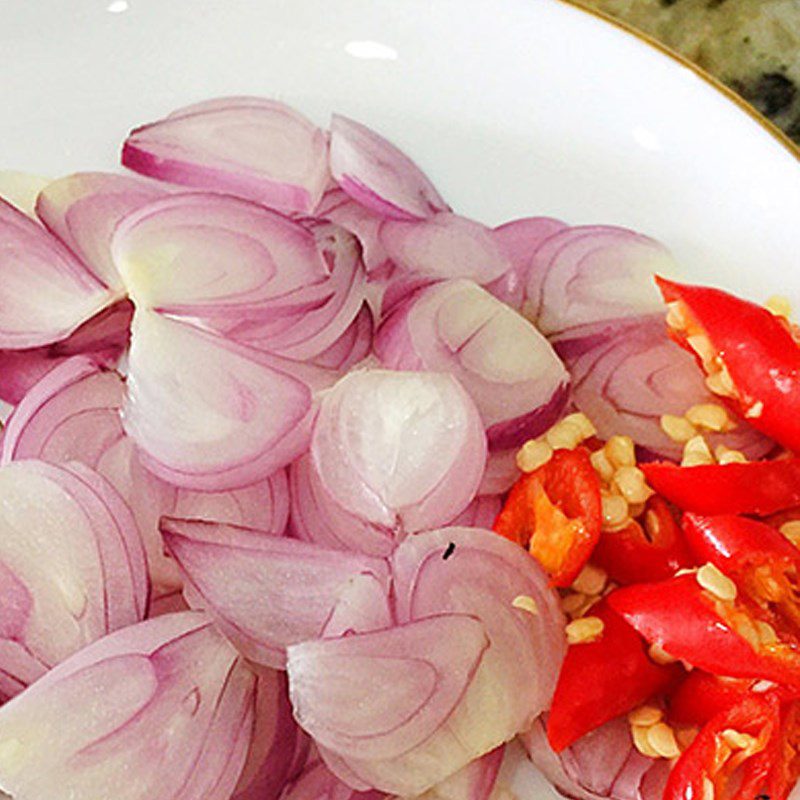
[758,487]
[733,756]
[701,696]
[782,517]
[556,513]
[723,637]
[786,754]
[603,679]
[755,347]
[762,562]
[642,553]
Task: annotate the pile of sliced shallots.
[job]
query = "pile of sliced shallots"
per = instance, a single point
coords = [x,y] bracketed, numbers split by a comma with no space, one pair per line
[265,409]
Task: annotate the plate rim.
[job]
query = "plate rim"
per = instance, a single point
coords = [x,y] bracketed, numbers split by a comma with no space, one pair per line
[713,82]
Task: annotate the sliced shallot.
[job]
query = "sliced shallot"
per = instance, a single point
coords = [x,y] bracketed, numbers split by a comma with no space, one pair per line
[501,472]
[263,505]
[399,448]
[251,147]
[352,346]
[46,293]
[209,414]
[627,373]
[337,206]
[378,175]
[72,568]
[593,274]
[509,369]
[445,246]
[318,518]
[83,209]
[520,239]
[473,782]
[308,323]
[277,741]
[603,765]
[74,414]
[383,693]
[317,782]
[21,189]
[470,572]
[177,254]
[265,592]
[168,704]
[104,338]
[480,513]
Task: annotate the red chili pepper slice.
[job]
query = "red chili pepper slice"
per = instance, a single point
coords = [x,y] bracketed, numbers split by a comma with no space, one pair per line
[701,696]
[779,518]
[762,562]
[733,756]
[604,679]
[556,513]
[723,637]
[755,347]
[786,769]
[758,487]
[644,553]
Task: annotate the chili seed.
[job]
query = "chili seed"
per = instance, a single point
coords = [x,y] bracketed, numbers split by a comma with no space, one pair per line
[636,509]
[721,383]
[679,429]
[652,524]
[710,417]
[645,716]
[755,410]
[714,581]
[725,455]
[709,793]
[564,435]
[631,484]
[662,739]
[533,454]
[591,580]
[659,655]
[676,315]
[526,603]
[779,305]
[701,344]
[583,423]
[737,740]
[620,451]
[584,630]
[766,633]
[791,530]
[748,632]
[696,453]
[642,742]
[602,466]
[573,604]
[588,602]
[615,511]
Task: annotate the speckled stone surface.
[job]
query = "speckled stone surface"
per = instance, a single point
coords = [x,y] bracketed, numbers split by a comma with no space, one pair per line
[751,45]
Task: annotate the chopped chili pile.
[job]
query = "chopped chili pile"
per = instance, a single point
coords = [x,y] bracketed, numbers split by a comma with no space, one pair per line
[681,582]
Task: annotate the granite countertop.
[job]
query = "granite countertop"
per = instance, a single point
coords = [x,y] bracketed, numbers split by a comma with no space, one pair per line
[751,45]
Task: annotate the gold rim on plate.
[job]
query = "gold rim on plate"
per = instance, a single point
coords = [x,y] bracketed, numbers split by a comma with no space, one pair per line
[768,126]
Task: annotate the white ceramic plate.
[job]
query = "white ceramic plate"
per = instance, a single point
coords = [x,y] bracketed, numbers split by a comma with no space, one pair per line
[512,106]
